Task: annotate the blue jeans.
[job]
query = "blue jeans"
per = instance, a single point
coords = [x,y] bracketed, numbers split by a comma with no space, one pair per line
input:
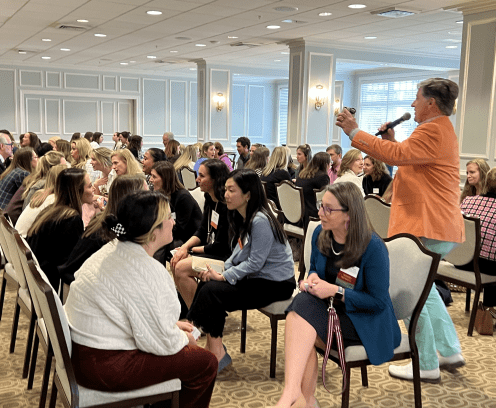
[435,329]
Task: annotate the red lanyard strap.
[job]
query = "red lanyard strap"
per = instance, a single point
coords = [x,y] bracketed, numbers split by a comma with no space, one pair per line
[334,328]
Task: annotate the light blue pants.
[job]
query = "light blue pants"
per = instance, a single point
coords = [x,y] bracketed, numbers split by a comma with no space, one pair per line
[435,329]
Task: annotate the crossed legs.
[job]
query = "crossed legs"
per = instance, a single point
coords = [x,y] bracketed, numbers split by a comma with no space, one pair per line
[184,277]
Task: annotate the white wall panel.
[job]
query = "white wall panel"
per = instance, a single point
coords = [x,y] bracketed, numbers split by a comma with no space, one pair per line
[33,115]
[80,116]
[256,111]
[178,108]
[8,105]
[124,116]
[109,124]
[154,109]
[31,78]
[81,81]
[52,116]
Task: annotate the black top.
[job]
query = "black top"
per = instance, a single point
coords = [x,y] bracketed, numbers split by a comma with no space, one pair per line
[84,248]
[134,152]
[382,184]
[53,244]
[271,180]
[188,216]
[320,180]
[220,247]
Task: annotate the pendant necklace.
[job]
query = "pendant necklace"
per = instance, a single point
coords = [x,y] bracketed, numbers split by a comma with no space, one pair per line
[333,251]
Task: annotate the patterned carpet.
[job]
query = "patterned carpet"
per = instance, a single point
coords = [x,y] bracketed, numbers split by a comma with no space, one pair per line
[247,384]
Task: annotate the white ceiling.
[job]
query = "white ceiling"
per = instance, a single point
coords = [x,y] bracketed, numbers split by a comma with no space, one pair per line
[132,34]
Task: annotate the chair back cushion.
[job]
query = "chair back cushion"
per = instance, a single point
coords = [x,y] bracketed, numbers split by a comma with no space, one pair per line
[189,178]
[290,200]
[378,212]
[307,250]
[464,253]
[14,255]
[319,194]
[409,271]
[199,196]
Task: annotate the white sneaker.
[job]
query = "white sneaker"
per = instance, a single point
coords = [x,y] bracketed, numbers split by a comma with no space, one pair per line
[406,373]
[451,362]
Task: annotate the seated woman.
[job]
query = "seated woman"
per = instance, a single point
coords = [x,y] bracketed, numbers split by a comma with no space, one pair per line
[80,152]
[96,140]
[211,239]
[260,270]
[23,163]
[32,183]
[64,147]
[101,160]
[57,229]
[219,154]
[258,160]
[95,236]
[173,151]
[376,177]
[275,172]
[188,158]
[475,184]
[123,162]
[303,156]
[344,240]
[207,152]
[40,200]
[184,208]
[123,311]
[351,167]
[484,207]
[313,176]
[135,143]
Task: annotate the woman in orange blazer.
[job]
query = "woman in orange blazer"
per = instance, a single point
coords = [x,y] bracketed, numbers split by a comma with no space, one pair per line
[425,204]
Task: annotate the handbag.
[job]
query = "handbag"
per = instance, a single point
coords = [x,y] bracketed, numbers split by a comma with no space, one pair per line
[334,329]
[483,321]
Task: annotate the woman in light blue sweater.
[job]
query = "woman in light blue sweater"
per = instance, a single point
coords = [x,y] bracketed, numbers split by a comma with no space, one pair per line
[259,272]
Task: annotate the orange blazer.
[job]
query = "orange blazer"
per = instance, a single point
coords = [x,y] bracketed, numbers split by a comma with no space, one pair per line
[426,188]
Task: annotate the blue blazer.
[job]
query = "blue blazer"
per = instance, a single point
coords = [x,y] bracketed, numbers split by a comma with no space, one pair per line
[368,305]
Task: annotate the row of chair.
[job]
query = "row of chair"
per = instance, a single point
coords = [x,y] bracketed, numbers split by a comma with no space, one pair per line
[49,328]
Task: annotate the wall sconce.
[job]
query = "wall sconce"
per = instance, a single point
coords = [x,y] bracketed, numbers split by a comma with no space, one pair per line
[319,94]
[219,99]
[337,106]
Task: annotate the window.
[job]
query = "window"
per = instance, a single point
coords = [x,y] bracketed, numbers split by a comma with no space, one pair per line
[382,102]
[283,116]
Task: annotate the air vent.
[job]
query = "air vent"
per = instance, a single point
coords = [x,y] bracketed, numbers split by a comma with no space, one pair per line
[243,44]
[394,12]
[286,9]
[67,27]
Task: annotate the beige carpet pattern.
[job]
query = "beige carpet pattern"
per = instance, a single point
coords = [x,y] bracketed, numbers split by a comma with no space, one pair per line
[247,384]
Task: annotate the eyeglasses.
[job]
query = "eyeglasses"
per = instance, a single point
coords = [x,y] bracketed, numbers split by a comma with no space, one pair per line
[327,210]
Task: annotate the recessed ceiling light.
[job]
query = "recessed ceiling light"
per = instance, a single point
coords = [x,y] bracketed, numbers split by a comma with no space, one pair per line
[100,35]
[132,62]
[200,45]
[232,36]
[277,60]
[65,49]
[370,37]
[151,56]
[451,46]
[82,21]
[22,52]
[154,12]
[46,39]
[357,6]
[192,69]
[273,27]
[459,22]
[325,14]
[285,52]
[124,63]
[287,21]
[46,58]
[453,40]
[173,51]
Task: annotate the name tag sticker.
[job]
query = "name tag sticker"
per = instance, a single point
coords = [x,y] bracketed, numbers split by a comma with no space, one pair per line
[215,219]
[375,190]
[173,216]
[347,277]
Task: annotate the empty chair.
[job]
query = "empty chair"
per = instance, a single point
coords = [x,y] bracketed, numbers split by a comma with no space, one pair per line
[378,212]
[199,196]
[189,177]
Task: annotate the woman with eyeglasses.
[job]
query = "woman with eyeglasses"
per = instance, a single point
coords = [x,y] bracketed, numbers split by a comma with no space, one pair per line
[344,249]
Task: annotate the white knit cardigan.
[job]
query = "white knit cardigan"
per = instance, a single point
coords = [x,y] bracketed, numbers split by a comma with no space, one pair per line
[123,299]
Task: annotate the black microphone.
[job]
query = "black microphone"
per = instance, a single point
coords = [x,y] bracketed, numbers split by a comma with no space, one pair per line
[406,116]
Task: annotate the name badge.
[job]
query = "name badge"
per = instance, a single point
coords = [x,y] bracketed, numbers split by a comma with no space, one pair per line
[173,216]
[215,219]
[347,277]
[375,190]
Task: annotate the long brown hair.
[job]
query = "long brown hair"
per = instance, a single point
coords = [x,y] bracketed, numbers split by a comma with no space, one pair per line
[348,160]
[378,168]
[22,159]
[307,151]
[359,229]
[480,188]
[170,181]
[69,189]
[258,159]
[319,164]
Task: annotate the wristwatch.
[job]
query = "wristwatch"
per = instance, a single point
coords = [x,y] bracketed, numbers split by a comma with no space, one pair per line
[339,294]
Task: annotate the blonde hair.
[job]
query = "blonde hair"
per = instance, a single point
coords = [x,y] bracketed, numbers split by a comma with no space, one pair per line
[278,161]
[50,159]
[84,150]
[131,162]
[348,160]
[103,156]
[40,196]
[480,188]
[189,154]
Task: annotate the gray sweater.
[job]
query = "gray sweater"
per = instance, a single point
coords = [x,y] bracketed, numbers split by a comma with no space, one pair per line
[262,256]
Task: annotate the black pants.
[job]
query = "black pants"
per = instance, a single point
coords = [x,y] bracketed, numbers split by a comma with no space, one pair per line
[213,299]
[488,267]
